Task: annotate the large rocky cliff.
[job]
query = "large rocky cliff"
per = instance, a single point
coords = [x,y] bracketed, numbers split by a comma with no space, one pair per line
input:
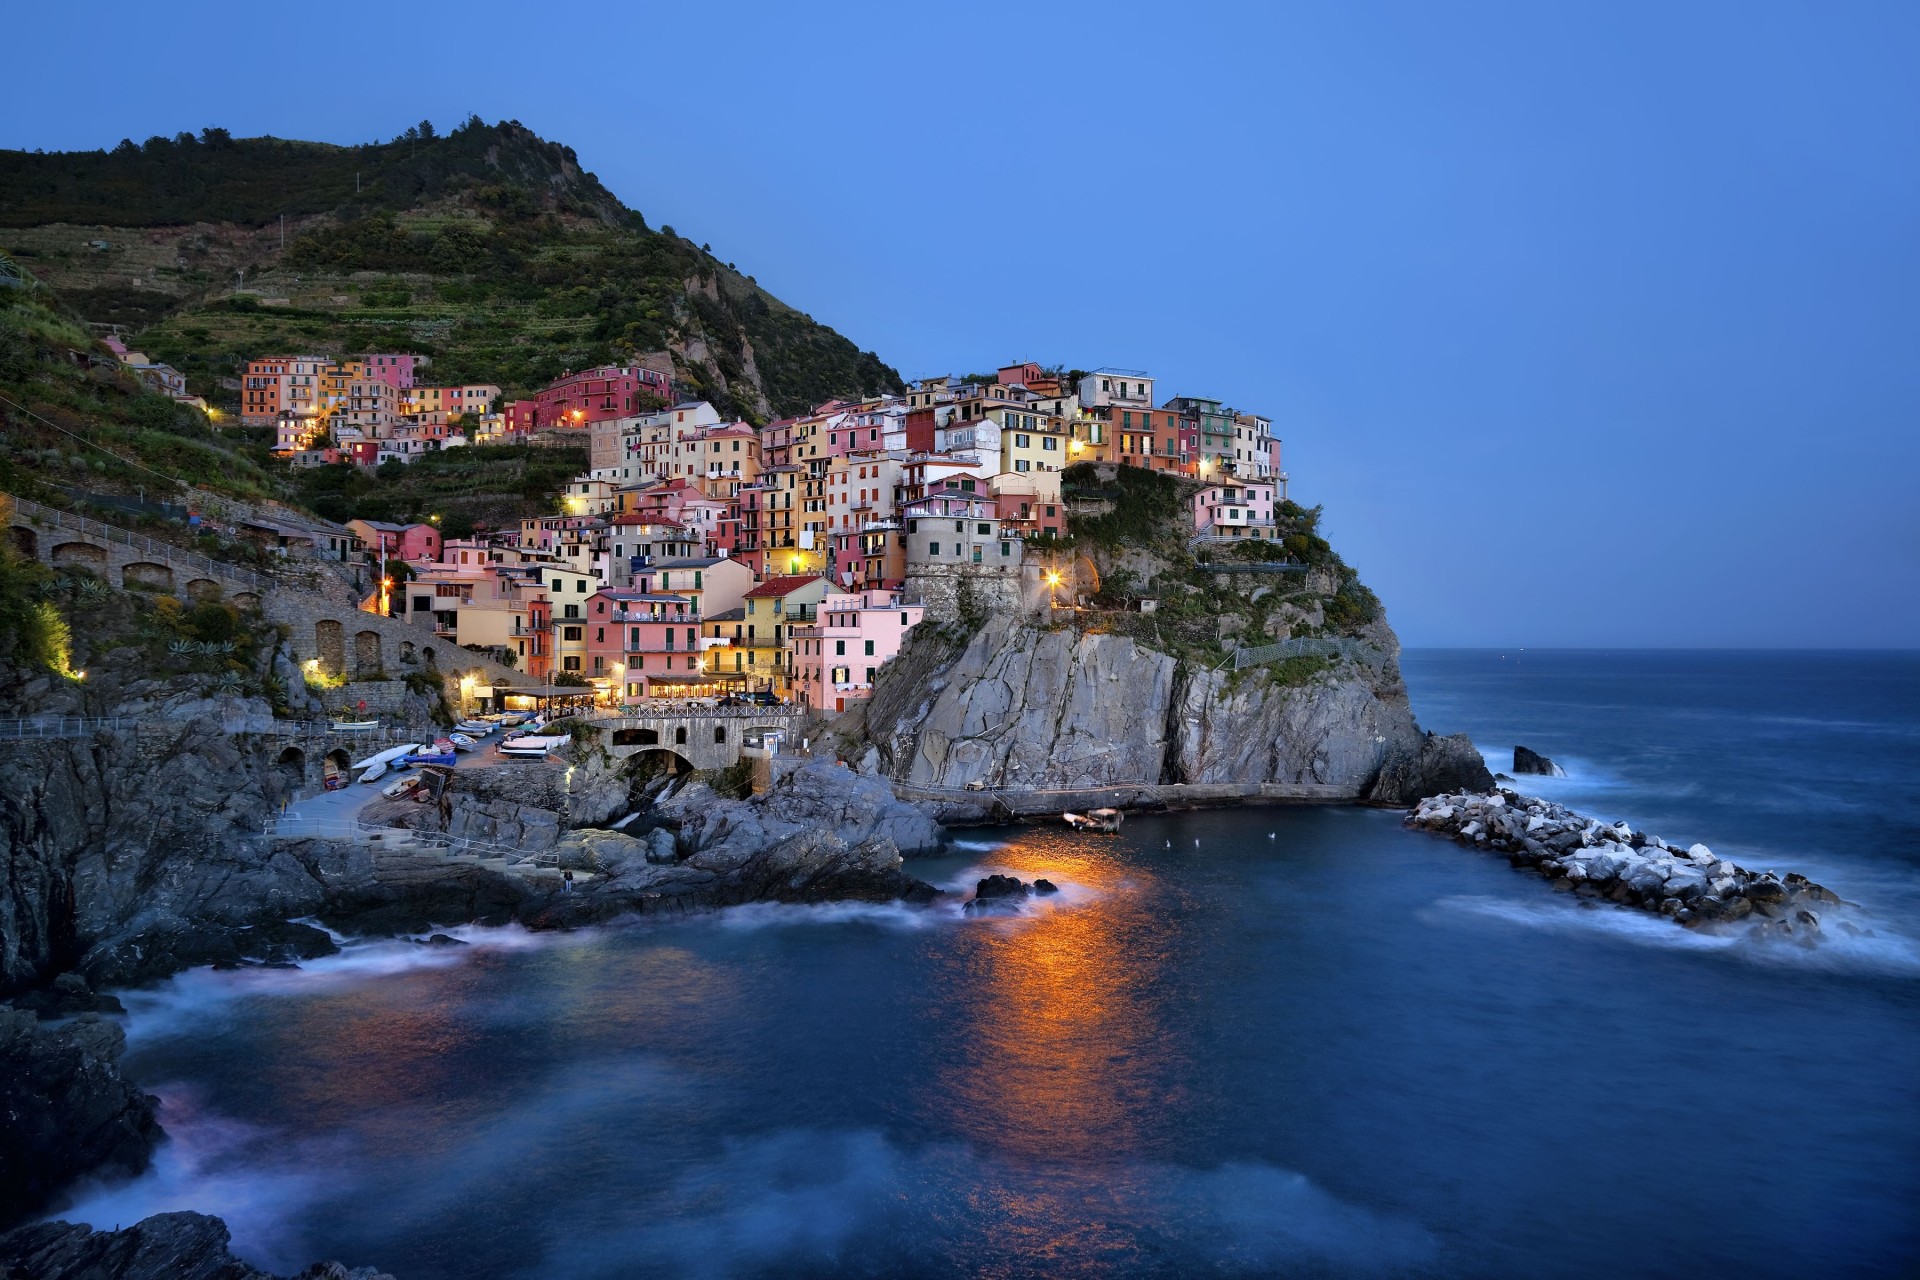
[1021,706]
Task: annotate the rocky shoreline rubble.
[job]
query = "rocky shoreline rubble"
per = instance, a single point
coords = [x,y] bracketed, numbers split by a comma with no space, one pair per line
[1613,862]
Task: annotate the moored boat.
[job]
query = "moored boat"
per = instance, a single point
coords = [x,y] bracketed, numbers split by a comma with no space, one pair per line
[461,741]
[355,726]
[1107,820]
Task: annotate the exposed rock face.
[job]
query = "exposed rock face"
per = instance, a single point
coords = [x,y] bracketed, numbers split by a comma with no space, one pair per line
[1527,762]
[1612,861]
[1024,707]
[1433,766]
[126,848]
[167,1246]
[65,1109]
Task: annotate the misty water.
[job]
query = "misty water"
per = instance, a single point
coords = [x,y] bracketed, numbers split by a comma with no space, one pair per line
[1300,1040]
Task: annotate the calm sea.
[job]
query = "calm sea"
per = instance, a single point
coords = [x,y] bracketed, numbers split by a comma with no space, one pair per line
[1298,1041]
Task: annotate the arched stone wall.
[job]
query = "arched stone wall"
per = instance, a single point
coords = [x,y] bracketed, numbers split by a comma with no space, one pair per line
[203,589]
[147,574]
[366,652]
[330,646]
[26,541]
[80,555]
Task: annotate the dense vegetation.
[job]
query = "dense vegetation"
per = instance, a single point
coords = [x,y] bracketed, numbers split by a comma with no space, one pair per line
[488,249]
[458,489]
[71,418]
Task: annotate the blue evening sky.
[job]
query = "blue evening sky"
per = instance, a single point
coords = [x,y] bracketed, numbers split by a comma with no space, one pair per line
[1589,323]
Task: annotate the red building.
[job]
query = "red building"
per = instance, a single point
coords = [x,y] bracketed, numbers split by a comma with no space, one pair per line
[593,395]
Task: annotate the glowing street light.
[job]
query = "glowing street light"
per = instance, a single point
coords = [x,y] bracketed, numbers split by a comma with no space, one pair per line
[1053,588]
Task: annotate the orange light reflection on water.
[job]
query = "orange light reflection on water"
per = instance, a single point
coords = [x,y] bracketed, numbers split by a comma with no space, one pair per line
[1060,1055]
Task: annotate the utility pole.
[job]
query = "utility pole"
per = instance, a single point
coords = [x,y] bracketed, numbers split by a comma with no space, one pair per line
[283,233]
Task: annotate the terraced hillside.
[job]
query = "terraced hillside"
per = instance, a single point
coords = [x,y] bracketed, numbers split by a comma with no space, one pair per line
[489,249]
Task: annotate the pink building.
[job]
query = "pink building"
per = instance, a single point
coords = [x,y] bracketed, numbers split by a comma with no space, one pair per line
[1243,509]
[395,370]
[413,542]
[836,658]
[642,644]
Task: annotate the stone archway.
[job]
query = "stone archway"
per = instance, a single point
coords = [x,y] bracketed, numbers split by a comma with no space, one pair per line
[407,655]
[366,652]
[203,589]
[147,575]
[658,760]
[291,769]
[246,600]
[338,764]
[26,542]
[330,646]
[80,555]
[636,737]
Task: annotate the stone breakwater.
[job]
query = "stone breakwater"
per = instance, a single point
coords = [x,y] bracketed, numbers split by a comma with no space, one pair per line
[1612,861]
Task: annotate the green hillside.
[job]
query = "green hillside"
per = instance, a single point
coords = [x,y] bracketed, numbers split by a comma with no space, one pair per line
[488,249]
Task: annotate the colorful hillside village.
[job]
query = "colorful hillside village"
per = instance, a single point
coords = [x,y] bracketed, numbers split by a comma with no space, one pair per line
[700,557]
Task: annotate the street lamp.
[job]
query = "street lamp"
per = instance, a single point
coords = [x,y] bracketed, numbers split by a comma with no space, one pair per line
[1053,588]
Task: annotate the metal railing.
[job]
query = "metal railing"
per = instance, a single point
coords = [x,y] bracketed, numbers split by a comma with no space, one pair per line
[44,516]
[63,726]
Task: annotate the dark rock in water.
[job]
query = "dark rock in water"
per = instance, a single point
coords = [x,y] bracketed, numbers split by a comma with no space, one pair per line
[66,996]
[167,1246]
[1532,762]
[1044,887]
[997,886]
[1503,777]
[443,940]
[68,1111]
[999,893]
[1438,765]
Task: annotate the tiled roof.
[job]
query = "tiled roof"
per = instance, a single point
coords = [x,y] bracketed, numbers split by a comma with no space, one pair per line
[786,584]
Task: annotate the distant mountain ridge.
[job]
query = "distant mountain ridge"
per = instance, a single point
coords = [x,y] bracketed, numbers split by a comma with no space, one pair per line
[489,249]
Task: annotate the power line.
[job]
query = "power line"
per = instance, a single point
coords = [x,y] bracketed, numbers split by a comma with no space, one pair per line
[95,444]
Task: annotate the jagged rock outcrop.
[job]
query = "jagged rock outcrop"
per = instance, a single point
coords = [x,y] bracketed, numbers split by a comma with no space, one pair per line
[65,1109]
[1028,707]
[137,850]
[1430,767]
[166,1246]
[819,833]
[1528,761]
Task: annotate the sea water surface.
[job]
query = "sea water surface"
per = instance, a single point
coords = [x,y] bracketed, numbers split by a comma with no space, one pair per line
[1302,1041]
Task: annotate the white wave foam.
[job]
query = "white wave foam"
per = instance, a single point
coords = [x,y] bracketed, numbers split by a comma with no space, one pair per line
[809,1201]
[885,915]
[191,999]
[258,1181]
[1837,949]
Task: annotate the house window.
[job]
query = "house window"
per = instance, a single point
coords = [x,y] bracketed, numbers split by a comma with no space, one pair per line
[985,529]
[839,648]
[570,633]
[933,548]
[570,663]
[869,648]
[1006,549]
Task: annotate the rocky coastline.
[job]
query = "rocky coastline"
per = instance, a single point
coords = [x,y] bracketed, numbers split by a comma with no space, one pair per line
[1610,861]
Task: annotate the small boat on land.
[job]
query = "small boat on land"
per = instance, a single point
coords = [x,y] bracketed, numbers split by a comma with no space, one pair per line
[429,757]
[443,746]
[1107,820]
[377,763]
[462,742]
[355,726]
[530,745]
[399,787]
[478,728]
